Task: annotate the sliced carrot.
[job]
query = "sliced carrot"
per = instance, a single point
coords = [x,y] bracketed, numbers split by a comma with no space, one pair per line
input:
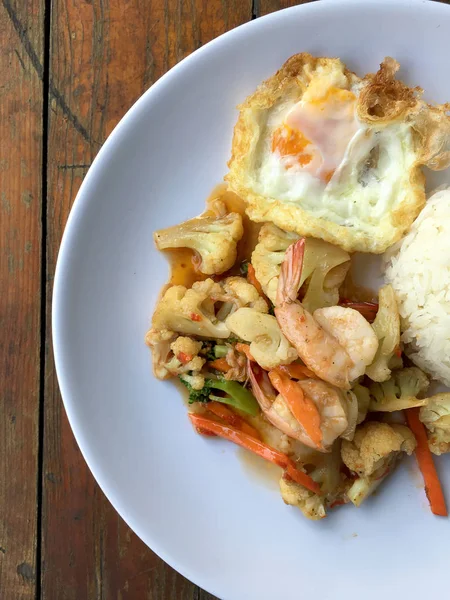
[184,358]
[367,309]
[257,447]
[251,277]
[296,371]
[230,417]
[205,432]
[424,458]
[245,349]
[302,478]
[302,407]
[220,364]
[241,439]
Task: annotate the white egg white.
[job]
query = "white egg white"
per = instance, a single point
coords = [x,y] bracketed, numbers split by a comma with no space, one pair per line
[370,182]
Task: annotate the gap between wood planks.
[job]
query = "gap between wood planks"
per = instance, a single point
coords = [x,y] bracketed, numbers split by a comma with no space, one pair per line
[43,307]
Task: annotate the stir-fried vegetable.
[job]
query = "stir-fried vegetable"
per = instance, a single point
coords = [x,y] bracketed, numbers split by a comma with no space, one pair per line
[424,457]
[220,351]
[220,364]
[372,454]
[317,365]
[387,328]
[236,395]
[214,238]
[257,447]
[268,345]
[363,398]
[312,505]
[245,349]
[363,487]
[243,269]
[399,392]
[231,418]
[201,395]
[436,418]
[251,276]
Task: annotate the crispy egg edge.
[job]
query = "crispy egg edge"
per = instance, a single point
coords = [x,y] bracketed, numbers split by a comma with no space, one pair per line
[382,100]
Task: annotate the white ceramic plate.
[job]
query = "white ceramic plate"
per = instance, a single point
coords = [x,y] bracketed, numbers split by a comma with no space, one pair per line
[193,500]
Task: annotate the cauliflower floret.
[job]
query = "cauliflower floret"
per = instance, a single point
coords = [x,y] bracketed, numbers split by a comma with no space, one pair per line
[186,346]
[372,454]
[234,293]
[373,444]
[245,293]
[311,505]
[214,238]
[436,418]
[387,329]
[173,357]
[177,367]
[210,289]
[159,342]
[324,266]
[195,380]
[185,356]
[268,256]
[268,345]
[399,392]
[193,311]
[326,470]
[190,311]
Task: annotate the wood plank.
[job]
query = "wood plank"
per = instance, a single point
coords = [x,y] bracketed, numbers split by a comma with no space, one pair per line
[21,95]
[264,7]
[103,56]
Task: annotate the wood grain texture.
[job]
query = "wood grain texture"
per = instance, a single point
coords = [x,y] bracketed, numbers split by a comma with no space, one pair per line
[264,7]
[21,101]
[103,56]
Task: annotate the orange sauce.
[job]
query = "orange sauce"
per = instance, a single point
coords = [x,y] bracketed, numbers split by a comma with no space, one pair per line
[356,293]
[184,261]
[262,471]
[183,269]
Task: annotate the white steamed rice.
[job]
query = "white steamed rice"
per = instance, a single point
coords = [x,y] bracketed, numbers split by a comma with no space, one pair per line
[419,271]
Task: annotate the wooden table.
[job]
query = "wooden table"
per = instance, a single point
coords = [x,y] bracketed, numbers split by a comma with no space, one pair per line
[70,70]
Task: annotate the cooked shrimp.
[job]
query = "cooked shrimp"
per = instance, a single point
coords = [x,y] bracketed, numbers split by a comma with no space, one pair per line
[274,406]
[353,332]
[324,408]
[319,350]
[333,406]
[302,408]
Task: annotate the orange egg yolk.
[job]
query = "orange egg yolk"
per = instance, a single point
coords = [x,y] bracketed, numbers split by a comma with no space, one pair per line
[290,142]
[317,130]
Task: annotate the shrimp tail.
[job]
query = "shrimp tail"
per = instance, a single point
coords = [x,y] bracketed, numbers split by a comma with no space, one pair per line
[291,273]
[261,386]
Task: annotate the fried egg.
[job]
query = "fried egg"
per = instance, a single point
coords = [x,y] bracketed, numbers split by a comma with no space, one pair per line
[323,153]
